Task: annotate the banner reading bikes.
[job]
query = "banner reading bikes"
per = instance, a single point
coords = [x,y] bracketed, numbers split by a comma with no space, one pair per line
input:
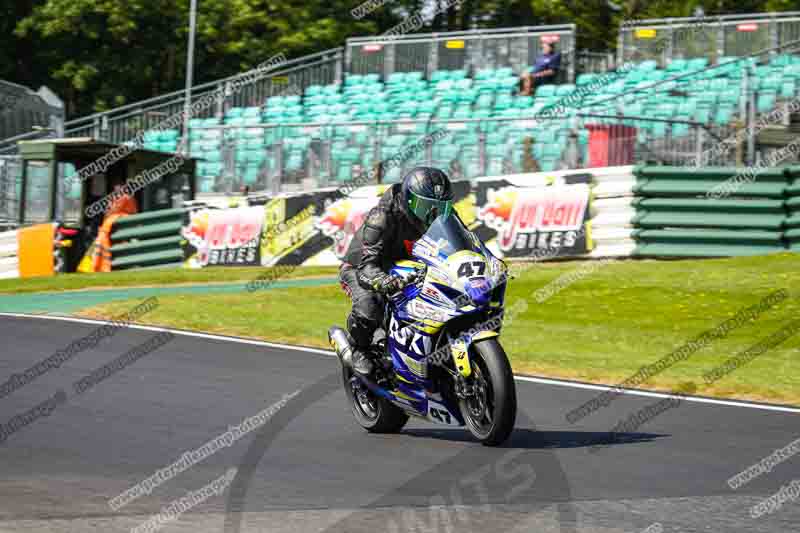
[224,237]
[526,219]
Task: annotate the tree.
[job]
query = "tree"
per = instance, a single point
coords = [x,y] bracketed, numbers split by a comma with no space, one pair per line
[104,53]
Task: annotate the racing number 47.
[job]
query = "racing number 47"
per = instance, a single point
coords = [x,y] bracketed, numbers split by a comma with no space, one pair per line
[473,268]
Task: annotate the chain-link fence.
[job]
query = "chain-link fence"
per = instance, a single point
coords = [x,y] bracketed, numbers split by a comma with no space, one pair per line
[124,123]
[613,140]
[22,109]
[470,50]
[304,156]
[593,62]
[710,37]
[10,190]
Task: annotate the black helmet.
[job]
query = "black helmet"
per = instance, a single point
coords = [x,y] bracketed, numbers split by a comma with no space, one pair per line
[427,193]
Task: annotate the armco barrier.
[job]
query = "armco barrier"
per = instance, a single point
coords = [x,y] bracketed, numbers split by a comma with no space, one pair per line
[667,181]
[148,239]
[791,226]
[692,242]
[678,212]
[652,213]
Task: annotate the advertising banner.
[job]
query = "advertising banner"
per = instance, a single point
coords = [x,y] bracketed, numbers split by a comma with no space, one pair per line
[224,237]
[291,235]
[525,219]
[516,216]
[342,218]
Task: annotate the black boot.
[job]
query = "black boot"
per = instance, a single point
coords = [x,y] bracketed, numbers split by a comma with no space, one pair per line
[360,333]
[361,363]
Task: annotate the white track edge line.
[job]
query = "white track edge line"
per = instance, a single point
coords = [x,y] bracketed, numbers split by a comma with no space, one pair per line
[530,379]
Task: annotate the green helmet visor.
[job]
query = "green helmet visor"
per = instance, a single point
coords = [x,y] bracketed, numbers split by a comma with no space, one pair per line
[427,209]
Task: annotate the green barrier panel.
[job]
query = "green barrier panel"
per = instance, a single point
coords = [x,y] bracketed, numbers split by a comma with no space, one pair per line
[711,236]
[701,213]
[706,173]
[145,232]
[793,239]
[792,204]
[706,243]
[682,181]
[675,187]
[793,210]
[709,205]
[702,250]
[792,171]
[150,217]
[148,239]
[130,247]
[147,259]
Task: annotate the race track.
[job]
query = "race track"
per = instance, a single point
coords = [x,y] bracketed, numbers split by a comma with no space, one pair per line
[309,468]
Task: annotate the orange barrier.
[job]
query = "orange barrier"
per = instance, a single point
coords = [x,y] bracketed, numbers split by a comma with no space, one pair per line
[36,251]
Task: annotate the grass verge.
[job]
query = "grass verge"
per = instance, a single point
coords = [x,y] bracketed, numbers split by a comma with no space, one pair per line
[150,278]
[600,328]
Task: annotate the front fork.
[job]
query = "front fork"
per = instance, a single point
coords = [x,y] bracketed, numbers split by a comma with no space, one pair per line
[466,384]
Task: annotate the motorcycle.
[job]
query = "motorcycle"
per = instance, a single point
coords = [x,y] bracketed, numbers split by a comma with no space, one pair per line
[438,356]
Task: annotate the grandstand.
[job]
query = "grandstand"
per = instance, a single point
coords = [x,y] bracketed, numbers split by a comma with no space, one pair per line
[334,125]
[366,119]
[22,109]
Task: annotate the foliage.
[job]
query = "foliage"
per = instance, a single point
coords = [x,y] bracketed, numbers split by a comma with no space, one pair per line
[98,54]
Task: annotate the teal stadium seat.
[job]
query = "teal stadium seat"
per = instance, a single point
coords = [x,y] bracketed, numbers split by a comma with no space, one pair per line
[354,79]
[545,91]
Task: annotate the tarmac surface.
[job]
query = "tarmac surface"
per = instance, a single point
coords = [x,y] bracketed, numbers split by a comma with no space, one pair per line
[309,468]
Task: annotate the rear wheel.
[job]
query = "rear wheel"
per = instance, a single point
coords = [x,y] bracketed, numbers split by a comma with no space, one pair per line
[491,411]
[375,414]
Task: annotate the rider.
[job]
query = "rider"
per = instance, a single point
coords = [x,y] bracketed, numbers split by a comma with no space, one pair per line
[403,215]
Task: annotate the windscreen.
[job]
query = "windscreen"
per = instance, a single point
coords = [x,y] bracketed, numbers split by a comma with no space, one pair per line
[448,235]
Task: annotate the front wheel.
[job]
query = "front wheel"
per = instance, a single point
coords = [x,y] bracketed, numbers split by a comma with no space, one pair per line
[375,414]
[491,411]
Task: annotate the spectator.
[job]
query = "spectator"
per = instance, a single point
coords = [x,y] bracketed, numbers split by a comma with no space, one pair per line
[544,71]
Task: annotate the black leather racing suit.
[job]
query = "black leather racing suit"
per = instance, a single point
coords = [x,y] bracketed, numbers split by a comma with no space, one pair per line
[385,237]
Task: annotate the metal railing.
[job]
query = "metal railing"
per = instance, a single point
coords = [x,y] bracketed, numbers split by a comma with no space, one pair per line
[10,190]
[626,140]
[593,62]
[474,49]
[711,37]
[312,155]
[470,50]
[123,123]
[27,115]
[746,112]
[22,109]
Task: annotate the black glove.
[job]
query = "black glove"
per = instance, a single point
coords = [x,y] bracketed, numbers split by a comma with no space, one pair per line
[389,284]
